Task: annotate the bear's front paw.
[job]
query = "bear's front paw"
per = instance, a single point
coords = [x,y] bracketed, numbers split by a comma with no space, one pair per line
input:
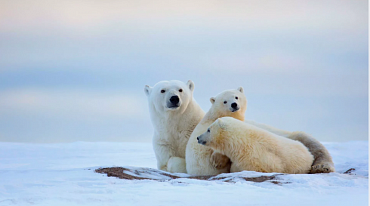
[219,161]
[326,167]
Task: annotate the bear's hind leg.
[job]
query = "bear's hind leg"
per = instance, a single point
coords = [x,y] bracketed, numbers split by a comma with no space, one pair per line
[323,162]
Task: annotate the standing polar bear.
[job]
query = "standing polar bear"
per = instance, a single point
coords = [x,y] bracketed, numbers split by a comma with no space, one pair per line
[174,114]
[254,149]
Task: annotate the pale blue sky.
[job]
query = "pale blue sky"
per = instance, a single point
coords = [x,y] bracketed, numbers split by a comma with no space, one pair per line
[75,70]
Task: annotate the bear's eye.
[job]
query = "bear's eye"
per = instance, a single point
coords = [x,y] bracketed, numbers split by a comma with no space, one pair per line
[225,102]
[208,130]
[236,98]
[163,91]
[180,90]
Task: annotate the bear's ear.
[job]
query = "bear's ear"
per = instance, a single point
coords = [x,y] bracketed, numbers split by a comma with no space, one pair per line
[147,90]
[190,85]
[212,100]
[221,123]
[241,89]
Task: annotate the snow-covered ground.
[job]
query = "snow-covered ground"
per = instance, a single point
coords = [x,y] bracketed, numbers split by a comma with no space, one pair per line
[63,174]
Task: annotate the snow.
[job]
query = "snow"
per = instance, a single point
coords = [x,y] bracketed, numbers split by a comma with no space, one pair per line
[63,174]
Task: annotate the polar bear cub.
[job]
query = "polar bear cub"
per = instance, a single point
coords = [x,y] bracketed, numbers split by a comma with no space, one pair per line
[254,149]
[174,114]
[202,160]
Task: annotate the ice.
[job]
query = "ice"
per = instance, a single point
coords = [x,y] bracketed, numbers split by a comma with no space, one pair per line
[63,174]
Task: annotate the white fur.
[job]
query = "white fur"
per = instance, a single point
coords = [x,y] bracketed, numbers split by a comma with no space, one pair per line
[197,156]
[172,127]
[269,128]
[255,149]
[323,161]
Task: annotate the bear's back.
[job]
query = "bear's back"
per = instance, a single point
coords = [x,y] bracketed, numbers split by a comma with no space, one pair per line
[268,152]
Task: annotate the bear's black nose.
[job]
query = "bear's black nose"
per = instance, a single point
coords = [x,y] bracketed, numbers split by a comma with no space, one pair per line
[234,105]
[174,99]
[198,138]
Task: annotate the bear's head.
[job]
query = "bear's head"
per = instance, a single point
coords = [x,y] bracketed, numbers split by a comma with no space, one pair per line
[214,134]
[220,132]
[170,96]
[230,103]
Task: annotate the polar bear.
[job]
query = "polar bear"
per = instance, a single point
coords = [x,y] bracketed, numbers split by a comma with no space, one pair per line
[323,162]
[174,114]
[202,160]
[254,149]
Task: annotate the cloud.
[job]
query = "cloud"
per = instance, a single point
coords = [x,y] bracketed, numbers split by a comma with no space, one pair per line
[72,104]
[257,62]
[90,35]
[86,13]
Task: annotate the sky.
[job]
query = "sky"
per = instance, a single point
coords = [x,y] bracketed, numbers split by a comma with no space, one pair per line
[75,70]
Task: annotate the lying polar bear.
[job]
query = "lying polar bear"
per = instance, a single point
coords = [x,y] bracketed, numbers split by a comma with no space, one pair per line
[254,149]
